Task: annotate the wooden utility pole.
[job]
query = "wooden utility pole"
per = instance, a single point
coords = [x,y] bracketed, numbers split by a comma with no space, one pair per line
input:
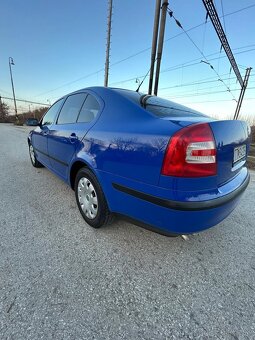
[108,43]
[160,43]
[154,43]
[240,99]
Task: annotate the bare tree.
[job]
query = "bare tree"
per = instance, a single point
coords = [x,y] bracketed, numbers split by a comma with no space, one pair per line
[4,112]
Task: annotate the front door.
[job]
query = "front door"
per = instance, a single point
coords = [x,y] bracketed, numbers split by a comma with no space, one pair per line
[65,136]
[40,134]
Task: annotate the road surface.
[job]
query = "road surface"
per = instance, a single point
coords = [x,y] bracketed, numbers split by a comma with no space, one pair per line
[60,279]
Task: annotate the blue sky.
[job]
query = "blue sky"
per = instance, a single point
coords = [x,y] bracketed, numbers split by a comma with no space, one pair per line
[55,43]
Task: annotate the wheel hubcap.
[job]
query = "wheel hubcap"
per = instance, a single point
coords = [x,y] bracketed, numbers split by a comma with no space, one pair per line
[87,198]
[32,153]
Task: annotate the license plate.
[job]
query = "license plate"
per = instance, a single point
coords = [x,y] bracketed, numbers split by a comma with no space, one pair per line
[239,153]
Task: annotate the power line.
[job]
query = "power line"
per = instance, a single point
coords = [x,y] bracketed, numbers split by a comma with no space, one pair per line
[134,78]
[214,101]
[71,82]
[181,33]
[138,53]
[197,82]
[204,23]
[188,64]
[203,93]
[196,93]
[26,101]
[184,65]
[203,88]
[206,61]
[1,90]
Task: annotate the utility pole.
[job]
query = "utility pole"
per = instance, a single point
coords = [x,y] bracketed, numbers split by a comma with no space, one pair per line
[240,99]
[108,43]
[154,43]
[160,43]
[11,62]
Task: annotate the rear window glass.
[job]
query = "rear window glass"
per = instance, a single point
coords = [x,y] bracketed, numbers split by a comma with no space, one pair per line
[165,108]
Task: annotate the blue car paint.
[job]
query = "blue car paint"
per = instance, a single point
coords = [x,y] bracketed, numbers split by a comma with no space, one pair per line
[166,219]
[126,144]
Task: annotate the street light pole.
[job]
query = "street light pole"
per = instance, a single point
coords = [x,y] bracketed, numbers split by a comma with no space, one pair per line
[11,62]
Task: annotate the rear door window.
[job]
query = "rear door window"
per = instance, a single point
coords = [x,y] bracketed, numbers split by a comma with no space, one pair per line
[71,108]
[89,110]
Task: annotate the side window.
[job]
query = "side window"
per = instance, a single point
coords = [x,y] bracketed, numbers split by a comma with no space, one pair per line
[50,115]
[89,110]
[71,108]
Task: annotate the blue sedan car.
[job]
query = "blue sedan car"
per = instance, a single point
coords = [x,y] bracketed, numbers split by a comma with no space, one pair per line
[173,169]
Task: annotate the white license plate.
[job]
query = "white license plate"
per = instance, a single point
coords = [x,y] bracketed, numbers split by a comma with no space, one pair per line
[239,153]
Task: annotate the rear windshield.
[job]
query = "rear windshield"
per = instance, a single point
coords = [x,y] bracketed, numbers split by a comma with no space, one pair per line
[165,108]
[160,107]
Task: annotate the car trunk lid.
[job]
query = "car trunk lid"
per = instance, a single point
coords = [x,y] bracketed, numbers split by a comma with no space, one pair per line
[232,139]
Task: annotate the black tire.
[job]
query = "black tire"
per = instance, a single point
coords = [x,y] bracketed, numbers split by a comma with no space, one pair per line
[33,158]
[90,199]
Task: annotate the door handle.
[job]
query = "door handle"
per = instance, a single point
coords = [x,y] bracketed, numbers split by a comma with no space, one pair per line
[73,137]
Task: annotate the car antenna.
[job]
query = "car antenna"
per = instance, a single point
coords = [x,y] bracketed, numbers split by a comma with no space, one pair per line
[137,90]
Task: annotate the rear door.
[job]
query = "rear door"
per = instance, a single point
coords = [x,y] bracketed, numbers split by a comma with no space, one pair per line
[75,119]
[40,134]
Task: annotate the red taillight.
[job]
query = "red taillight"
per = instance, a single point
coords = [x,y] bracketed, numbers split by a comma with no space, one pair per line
[191,152]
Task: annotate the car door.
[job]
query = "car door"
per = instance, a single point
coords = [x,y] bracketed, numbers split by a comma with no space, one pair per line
[74,120]
[40,134]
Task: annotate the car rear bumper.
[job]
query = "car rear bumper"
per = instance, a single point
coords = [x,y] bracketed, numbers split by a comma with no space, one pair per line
[171,211]
[186,206]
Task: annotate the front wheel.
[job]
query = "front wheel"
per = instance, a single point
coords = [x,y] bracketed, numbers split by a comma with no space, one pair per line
[90,199]
[33,158]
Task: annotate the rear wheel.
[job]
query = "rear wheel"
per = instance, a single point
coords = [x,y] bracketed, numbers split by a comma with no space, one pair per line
[33,158]
[90,199]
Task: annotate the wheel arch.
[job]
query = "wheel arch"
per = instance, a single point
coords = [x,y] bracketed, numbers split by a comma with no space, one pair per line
[75,167]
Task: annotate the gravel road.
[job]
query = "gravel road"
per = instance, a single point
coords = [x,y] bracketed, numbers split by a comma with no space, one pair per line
[60,279]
